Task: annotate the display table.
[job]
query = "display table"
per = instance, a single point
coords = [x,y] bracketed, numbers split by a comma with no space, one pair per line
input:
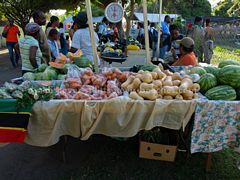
[120,117]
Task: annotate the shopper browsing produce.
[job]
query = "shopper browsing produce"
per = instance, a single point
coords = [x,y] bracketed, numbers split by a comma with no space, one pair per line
[81,38]
[29,48]
[187,55]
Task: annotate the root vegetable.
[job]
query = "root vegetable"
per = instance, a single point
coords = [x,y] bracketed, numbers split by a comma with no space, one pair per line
[195,88]
[146,77]
[157,84]
[128,82]
[176,76]
[141,72]
[154,75]
[146,87]
[179,97]
[186,84]
[168,81]
[168,97]
[150,95]
[168,73]
[135,85]
[134,95]
[138,76]
[176,82]
[170,91]
[187,95]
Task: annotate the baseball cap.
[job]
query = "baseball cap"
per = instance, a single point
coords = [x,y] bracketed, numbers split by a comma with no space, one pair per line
[186,42]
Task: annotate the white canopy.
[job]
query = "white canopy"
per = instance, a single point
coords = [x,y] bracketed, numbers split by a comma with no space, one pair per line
[95,19]
[153,17]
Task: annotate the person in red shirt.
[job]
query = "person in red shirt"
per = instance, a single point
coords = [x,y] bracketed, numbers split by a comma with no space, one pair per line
[187,55]
[12,32]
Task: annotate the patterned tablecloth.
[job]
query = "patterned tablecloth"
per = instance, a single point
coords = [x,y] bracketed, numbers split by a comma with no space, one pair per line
[216,126]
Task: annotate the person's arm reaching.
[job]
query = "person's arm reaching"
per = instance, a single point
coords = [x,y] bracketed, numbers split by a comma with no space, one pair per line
[32,56]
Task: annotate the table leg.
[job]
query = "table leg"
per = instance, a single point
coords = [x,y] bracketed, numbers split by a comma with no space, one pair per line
[208,162]
[64,153]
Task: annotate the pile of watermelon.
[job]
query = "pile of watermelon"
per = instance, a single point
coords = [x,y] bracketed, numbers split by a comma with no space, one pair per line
[220,83]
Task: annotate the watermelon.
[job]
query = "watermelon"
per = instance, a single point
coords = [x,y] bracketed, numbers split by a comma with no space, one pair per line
[230,75]
[213,70]
[65,68]
[82,62]
[207,81]
[198,70]
[223,92]
[228,62]
[148,67]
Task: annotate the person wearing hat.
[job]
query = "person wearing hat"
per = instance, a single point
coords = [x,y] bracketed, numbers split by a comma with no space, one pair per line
[29,48]
[81,38]
[11,33]
[187,55]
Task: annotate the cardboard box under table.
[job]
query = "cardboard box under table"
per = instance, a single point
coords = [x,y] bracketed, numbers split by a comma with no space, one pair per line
[159,144]
[13,123]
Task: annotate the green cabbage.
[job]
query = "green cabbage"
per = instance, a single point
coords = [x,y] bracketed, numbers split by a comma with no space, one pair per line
[29,76]
[42,67]
[61,76]
[49,74]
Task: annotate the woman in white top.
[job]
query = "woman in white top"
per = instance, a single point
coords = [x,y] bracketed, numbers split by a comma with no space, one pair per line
[81,38]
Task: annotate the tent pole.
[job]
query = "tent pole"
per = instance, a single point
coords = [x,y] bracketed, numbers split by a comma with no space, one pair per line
[160,25]
[93,43]
[145,16]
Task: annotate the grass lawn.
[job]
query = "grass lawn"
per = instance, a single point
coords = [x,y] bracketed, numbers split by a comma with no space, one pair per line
[224,52]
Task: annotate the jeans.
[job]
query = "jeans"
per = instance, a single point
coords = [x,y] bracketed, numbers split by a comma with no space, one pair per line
[14,60]
[163,51]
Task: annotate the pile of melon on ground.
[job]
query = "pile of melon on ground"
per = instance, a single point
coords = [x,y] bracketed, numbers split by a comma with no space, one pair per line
[220,83]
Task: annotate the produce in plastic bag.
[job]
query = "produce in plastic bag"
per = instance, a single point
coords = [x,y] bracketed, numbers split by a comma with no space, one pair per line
[10,87]
[113,86]
[4,94]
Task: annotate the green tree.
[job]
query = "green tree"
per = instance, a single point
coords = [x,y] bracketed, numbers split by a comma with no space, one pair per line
[222,8]
[21,10]
[234,10]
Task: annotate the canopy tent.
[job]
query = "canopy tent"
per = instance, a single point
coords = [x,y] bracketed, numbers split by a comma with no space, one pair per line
[153,17]
[97,19]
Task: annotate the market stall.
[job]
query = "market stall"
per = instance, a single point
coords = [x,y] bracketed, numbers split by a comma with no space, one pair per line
[119,117]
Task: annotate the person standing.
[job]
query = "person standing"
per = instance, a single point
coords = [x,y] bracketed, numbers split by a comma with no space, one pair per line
[11,33]
[102,28]
[29,48]
[40,18]
[208,45]
[53,24]
[198,36]
[52,42]
[62,39]
[81,38]
[165,36]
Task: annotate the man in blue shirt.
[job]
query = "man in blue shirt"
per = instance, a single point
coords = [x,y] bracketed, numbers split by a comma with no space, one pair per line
[165,36]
